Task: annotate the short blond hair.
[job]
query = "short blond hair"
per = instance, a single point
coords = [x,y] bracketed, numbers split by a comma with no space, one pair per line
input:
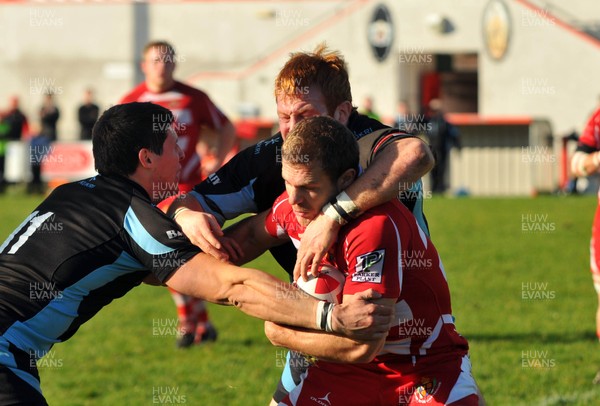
[322,141]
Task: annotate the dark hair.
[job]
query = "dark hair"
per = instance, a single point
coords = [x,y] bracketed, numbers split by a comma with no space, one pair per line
[324,141]
[123,130]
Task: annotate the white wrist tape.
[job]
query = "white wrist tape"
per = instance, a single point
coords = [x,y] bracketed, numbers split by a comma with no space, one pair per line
[341,209]
[347,204]
[319,314]
[328,326]
[323,316]
[333,214]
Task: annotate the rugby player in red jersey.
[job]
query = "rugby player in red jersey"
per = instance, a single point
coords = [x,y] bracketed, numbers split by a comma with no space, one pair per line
[423,359]
[196,116]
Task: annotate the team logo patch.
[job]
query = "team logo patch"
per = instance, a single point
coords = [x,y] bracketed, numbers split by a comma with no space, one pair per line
[369,267]
[426,390]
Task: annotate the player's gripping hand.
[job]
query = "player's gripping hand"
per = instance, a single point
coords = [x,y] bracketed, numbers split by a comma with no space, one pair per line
[204,231]
[317,239]
[362,317]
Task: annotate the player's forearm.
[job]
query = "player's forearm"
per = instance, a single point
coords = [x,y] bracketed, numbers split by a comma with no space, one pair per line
[254,292]
[241,233]
[186,200]
[325,346]
[261,295]
[584,164]
[252,237]
[394,169]
[271,299]
[266,297]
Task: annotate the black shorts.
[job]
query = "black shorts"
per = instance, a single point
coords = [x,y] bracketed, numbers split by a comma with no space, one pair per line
[15,391]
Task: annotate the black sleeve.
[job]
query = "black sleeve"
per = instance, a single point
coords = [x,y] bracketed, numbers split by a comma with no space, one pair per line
[249,183]
[585,148]
[372,144]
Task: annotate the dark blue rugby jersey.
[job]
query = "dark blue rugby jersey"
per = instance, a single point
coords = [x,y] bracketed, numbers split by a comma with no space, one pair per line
[88,243]
[251,181]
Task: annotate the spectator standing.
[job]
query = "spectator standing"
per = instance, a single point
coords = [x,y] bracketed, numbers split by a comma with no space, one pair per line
[401,117]
[87,115]
[13,126]
[368,110]
[39,147]
[442,137]
[49,115]
[15,120]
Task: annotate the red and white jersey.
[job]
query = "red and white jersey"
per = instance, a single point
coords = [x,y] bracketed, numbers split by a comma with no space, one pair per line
[591,133]
[192,109]
[386,250]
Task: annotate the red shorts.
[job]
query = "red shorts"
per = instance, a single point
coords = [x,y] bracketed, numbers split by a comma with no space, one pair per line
[443,379]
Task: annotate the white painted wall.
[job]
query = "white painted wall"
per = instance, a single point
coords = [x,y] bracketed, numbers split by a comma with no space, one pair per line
[70,46]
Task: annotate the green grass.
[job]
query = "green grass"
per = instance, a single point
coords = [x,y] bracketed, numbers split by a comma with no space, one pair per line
[524,300]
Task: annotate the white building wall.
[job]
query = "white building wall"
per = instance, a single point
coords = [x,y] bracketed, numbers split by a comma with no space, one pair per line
[64,49]
[233,50]
[547,71]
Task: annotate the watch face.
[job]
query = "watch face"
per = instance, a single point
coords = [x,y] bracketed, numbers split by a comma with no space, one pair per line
[496,29]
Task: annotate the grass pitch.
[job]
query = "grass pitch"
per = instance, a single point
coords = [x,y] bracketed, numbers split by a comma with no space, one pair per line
[522,296]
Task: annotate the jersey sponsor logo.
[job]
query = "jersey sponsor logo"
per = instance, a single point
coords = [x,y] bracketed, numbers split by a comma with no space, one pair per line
[324,401]
[87,184]
[364,132]
[369,267]
[174,234]
[214,179]
[265,143]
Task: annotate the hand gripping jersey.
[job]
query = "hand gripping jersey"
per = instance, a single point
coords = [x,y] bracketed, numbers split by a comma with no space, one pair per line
[192,109]
[88,243]
[251,181]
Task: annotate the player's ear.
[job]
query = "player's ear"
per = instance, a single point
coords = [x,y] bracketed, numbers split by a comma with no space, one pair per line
[145,158]
[346,179]
[342,112]
[143,64]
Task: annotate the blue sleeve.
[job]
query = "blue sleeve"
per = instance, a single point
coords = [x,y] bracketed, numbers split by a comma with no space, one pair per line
[155,240]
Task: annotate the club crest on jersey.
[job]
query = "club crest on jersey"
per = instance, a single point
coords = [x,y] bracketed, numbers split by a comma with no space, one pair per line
[369,267]
[426,390]
[174,234]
